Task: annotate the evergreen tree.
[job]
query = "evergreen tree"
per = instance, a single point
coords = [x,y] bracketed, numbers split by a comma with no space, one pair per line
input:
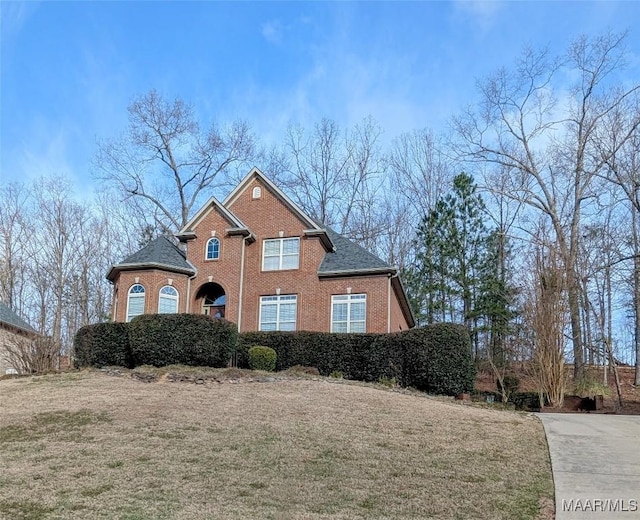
[459,272]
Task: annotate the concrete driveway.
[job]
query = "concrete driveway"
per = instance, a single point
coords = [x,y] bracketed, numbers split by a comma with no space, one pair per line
[596,465]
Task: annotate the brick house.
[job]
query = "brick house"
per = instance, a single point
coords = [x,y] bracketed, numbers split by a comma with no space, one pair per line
[259,261]
[13,330]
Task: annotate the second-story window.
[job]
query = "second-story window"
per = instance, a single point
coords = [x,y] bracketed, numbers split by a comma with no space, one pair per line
[213,249]
[281,253]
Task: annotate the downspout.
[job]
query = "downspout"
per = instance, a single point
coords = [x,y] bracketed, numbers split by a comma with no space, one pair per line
[389,303]
[188,308]
[241,288]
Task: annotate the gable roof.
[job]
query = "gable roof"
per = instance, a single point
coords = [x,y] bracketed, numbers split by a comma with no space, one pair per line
[8,317]
[160,253]
[237,226]
[350,258]
[313,228]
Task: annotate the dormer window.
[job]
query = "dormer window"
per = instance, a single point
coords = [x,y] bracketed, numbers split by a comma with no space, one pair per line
[213,249]
[257,192]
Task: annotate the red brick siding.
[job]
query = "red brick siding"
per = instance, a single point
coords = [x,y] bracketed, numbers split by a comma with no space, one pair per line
[266,217]
[225,271]
[153,280]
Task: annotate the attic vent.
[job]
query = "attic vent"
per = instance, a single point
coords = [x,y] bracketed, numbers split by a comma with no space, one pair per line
[257,192]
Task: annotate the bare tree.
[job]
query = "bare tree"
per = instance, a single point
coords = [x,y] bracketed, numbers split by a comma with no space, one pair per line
[15,233]
[32,355]
[337,177]
[622,151]
[165,162]
[546,312]
[552,147]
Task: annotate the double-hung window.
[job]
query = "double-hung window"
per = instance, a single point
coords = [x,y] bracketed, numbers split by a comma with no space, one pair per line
[278,312]
[280,253]
[349,313]
[168,301]
[135,301]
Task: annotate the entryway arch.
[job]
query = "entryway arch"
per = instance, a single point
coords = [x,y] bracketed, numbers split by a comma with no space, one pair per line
[212,299]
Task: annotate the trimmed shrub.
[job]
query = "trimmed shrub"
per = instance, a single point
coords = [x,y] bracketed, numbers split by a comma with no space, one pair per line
[436,359]
[181,339]
[262,358]
[362,357]
[103,344]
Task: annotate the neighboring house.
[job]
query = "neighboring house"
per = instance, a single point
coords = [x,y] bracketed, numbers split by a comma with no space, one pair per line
[258,260]
[13,330]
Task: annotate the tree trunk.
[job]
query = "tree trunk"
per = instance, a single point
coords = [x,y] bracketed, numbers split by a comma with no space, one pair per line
[573,292]
[636,294]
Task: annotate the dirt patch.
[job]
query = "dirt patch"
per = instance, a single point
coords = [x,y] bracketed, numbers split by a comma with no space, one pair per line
[486,382]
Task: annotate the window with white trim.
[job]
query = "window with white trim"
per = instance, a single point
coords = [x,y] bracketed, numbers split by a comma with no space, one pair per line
[349,313]
[135,301]
[278,312]
[213,249]
[280,253]
[168,301]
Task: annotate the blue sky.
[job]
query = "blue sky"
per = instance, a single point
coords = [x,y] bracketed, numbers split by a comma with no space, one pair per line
[69,69]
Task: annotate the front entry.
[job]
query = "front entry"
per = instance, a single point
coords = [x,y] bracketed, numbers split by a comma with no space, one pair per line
[212,299]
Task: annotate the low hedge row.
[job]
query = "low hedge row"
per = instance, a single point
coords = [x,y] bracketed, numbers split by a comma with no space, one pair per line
[436,358]
[158,340]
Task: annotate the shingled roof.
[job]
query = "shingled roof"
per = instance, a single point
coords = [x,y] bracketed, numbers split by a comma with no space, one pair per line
[349,258]
[160,253]
[8,317]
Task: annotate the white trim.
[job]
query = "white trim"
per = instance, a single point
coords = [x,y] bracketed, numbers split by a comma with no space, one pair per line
[278,301]
[349,300]
[389,305]
[206,248]
[241,288]
[144,301]
[175,297]
[281,255]
[256,173]
[205,209]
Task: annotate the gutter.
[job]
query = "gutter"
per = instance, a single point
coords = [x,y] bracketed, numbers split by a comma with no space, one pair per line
[147,265]
[361,272]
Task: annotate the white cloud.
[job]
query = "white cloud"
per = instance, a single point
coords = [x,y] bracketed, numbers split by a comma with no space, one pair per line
[272,31]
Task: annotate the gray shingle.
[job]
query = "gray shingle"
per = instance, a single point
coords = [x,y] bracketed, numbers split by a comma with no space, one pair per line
[350,257]
[161,252]
[9,317]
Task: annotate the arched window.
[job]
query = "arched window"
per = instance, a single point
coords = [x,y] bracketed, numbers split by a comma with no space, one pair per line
[213,249]
[168,302]
[135,301]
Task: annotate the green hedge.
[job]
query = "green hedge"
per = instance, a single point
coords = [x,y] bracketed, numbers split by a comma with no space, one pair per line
[357,356]
[436,358]
[103,344]
[187,339]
